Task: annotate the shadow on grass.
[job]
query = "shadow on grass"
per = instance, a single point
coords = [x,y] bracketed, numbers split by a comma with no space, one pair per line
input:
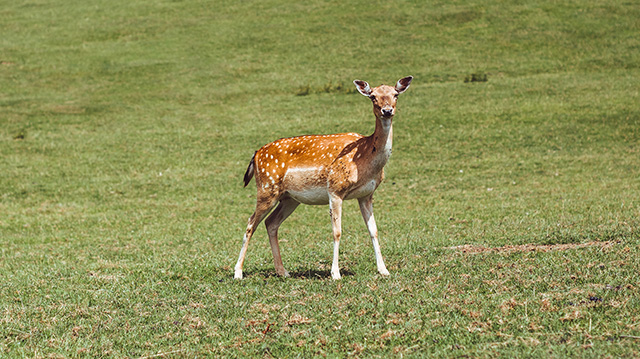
[300,273]
[317,274]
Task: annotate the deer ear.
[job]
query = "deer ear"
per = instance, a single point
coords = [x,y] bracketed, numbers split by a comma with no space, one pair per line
[363,87]
[403,84]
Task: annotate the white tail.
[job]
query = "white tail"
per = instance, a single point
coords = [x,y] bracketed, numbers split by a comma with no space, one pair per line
[323,169]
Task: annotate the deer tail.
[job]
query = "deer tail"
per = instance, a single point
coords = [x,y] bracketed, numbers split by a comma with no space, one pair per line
[249,174]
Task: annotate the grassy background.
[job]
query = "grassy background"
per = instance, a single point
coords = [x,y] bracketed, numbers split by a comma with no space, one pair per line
[509,218]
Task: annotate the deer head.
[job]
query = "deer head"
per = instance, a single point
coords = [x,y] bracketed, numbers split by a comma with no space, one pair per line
[383,97]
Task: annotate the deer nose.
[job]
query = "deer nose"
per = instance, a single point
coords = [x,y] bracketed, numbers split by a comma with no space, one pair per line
[387,111]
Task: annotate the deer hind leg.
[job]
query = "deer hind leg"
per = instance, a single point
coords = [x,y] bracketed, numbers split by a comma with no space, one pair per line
[263,206]
[335,208]
[366,208]
[273,222]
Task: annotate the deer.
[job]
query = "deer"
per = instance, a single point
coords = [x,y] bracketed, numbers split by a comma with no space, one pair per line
[321,170]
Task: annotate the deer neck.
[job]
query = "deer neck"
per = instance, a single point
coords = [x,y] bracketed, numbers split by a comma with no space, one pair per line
[381,141]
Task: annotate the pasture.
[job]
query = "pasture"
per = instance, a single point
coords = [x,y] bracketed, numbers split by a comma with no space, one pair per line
[509,218]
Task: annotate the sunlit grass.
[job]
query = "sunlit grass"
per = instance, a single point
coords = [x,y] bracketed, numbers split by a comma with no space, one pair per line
[508,218]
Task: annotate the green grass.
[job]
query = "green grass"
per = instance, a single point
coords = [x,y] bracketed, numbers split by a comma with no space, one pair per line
[509,218]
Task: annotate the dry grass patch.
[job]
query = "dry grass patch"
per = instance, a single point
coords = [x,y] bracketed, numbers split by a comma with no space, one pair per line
[476,249]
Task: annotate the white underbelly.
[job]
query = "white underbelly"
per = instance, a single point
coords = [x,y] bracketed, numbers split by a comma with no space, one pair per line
[314,195]
[319,195]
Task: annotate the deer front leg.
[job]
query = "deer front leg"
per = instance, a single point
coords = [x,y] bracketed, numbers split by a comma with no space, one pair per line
[366,208]
[335,210]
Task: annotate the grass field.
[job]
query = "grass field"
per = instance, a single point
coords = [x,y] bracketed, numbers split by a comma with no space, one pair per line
[509,218]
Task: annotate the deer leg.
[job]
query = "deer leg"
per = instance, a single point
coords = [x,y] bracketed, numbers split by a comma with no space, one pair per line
[262,209]
[335,208]
[273,222]
[366,208]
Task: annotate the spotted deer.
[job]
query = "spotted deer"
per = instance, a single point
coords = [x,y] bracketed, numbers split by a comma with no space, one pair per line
[323,169]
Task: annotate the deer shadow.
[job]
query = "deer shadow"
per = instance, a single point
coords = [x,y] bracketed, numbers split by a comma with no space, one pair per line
[300,273]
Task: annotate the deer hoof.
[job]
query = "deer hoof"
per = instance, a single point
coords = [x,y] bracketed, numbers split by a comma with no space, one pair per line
[238,275]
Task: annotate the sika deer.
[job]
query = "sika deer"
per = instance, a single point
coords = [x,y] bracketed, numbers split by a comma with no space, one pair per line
[323,169]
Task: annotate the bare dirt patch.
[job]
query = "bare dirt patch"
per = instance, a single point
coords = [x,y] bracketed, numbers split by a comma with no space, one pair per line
[475,249]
